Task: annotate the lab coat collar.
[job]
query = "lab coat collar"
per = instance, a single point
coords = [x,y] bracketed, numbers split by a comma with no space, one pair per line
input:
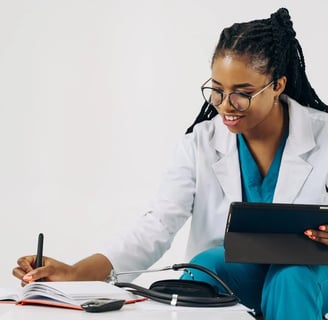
[301,137]
[226,168]
[294,168]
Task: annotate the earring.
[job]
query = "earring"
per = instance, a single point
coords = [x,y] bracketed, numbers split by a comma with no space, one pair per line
[275,100]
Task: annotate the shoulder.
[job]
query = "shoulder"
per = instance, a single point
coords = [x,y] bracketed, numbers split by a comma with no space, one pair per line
[206,127]
[306,116]
[308,128]
[317,115]
[203,137]
[308,112]
[203,132]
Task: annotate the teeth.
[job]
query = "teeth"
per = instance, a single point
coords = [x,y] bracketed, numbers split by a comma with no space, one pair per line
[231,118]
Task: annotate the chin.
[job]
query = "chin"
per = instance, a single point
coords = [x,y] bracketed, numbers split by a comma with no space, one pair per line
[234,130]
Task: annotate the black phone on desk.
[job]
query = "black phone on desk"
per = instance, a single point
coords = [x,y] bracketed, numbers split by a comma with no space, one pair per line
[102,305]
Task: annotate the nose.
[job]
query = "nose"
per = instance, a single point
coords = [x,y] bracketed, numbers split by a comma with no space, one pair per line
[225,105]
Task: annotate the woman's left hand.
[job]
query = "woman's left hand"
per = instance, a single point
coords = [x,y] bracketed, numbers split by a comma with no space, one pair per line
[320,235]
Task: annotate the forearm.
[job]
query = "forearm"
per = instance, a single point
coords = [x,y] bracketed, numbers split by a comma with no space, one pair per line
[95,267]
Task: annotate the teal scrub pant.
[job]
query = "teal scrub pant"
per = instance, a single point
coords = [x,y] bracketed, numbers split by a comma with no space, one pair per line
[276,291]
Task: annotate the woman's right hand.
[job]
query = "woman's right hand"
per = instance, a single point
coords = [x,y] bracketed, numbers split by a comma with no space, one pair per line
[51,270]
[96,267]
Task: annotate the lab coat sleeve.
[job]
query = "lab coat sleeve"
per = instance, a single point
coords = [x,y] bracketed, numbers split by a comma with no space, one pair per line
[144,243]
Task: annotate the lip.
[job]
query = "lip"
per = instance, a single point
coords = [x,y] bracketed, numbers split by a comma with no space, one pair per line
[231,120]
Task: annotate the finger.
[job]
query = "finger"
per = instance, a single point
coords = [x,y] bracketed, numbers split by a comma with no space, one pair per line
[23,283]
[26,263]
[18,273]
[323,227]
[37,274]
[32,276]
[312,234]
[321,240]
[318,236]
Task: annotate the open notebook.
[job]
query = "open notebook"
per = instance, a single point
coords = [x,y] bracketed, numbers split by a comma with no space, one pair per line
[70,294]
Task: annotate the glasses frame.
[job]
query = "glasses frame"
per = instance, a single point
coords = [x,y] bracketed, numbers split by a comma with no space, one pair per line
[223,95]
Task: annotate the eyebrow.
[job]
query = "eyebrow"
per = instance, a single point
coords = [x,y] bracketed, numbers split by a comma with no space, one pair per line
[238,85]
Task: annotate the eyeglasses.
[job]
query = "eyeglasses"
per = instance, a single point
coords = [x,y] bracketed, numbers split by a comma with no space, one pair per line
[240,101]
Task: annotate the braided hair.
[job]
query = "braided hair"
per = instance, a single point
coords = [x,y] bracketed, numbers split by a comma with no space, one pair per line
[272,48]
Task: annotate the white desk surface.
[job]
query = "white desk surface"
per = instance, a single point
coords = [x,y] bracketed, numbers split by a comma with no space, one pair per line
[139,311]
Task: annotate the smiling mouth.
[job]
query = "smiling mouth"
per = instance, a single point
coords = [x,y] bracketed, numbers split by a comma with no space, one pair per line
[231,118]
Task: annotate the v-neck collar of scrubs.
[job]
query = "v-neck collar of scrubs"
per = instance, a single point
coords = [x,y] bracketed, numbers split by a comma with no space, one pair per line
[255,187]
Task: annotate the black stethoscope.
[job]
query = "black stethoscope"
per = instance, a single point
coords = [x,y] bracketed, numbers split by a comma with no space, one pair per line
[187,293]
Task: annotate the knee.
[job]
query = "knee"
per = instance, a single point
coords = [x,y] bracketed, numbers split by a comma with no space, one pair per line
[209,258]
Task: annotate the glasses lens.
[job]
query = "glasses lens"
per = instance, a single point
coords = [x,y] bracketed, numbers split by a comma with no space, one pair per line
[239,101]
[212,96]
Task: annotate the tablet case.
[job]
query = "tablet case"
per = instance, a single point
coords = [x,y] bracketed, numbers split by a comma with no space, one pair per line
[273,233]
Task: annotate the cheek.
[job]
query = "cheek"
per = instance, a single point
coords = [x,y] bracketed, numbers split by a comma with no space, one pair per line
[255,115]
[258,114]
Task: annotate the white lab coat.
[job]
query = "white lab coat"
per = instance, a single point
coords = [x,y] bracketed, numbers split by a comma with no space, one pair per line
[204,178]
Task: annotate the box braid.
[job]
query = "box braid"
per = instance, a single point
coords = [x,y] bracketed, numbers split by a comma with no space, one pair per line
[272,48]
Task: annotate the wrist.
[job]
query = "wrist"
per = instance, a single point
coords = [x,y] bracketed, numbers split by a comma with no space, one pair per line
[94,268]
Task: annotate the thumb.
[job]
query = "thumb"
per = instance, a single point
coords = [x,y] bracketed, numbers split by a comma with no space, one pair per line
[35,274]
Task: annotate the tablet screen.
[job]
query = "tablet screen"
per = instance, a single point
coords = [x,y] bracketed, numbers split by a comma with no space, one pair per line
[275,217]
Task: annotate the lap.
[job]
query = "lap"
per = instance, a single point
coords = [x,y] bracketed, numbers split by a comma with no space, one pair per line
[247,280]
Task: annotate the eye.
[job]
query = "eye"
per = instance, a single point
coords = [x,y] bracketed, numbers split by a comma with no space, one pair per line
[243,93]
[219,90]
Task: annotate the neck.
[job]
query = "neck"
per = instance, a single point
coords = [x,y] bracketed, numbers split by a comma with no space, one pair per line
[264,140]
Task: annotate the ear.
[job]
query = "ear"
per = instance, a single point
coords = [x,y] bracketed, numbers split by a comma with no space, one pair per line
[281,85]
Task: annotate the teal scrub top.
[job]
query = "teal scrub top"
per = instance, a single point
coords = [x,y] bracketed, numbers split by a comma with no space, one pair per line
[256,188]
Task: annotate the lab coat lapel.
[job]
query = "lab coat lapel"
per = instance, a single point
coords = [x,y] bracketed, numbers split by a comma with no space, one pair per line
[294,168]
[227,169]
[293,174]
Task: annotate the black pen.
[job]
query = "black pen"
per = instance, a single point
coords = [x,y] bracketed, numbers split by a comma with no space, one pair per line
[39,254]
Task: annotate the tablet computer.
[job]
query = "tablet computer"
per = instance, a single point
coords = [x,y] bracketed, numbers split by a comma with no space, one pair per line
[274,233]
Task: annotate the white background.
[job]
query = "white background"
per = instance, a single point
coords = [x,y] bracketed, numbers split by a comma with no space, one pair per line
[94,96]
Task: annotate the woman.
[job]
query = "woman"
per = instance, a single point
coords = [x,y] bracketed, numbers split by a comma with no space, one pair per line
[267,143]
[259,87]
